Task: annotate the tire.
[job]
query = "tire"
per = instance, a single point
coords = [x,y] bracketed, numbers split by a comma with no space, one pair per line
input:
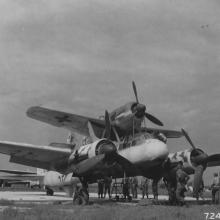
[77,201]
[81,198]
[49,191]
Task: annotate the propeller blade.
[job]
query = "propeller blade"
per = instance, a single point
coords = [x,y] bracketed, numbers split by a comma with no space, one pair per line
[153,119]
[213,160]
[197,179]
[107,125]
[214,157]
[135,91]
[188,138]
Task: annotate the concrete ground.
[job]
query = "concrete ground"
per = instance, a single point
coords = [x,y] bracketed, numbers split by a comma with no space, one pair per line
[58,196]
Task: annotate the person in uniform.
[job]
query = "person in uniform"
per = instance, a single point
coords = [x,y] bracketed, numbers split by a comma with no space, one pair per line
[170,180]
[200,191]
[181,179]
[100,188]
[134,186]
[107,186]
[144,187]
[215,186]
[155,188]
[125,187]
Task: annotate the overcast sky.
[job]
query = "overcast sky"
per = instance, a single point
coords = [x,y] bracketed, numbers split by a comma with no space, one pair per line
[82,56]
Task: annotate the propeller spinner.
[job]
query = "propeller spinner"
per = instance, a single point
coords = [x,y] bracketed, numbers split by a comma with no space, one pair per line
[140,109]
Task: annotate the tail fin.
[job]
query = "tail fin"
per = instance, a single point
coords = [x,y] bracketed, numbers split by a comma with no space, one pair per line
[91,132]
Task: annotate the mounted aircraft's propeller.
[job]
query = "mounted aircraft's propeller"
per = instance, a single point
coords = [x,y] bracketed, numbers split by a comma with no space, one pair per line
[107,125]
[140,110]
[200,160]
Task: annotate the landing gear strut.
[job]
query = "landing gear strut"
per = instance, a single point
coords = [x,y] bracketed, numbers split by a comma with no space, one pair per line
[81,196]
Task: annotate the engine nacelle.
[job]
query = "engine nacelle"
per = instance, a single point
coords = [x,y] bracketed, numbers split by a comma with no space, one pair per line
[187,157]
[55,179]
[102,146]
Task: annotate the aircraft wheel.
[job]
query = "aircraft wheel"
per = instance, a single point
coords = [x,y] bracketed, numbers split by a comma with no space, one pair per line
[81,198]
[77,200]
[49,191]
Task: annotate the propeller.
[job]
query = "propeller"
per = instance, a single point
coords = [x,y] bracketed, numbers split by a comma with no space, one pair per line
[140,109]
[199,159]
[107,125]
[135,91]
[188,138]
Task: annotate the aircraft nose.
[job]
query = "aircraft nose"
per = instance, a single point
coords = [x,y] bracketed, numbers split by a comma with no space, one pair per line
[158,149]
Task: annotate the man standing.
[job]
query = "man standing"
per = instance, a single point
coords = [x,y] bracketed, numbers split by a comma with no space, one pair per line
[100,188]
[107,183]
[181,178]
[125,188]
[134,186]
[144,187]
[215,186]
[155,188]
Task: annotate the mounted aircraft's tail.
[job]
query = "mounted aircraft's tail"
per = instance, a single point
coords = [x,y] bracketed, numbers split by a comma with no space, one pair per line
[107,131]
[91,132]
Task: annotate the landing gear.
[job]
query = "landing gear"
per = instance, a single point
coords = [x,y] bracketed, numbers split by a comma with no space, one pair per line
[49,191]
[81,196]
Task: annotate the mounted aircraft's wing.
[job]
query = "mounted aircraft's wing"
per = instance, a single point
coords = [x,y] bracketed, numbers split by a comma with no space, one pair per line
[167,133]
[72,122]
[44,157]
[17,172]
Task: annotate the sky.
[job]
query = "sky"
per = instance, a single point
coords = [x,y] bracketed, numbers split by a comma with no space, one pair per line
[81,57]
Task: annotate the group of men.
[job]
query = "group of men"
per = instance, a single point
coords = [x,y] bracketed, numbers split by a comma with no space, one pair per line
[129,186]
[104,187]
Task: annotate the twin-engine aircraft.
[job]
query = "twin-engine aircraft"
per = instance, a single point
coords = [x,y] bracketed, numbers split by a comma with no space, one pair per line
[68,166]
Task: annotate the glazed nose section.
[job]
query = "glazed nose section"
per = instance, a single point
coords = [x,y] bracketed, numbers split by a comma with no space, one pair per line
[159,149]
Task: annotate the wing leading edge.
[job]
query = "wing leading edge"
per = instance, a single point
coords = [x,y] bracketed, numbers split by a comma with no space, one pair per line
[72,122]
[34,155]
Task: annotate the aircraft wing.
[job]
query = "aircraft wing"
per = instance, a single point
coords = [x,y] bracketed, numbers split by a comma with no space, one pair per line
[167,133]
[44,157]
[72,122]
[16,172]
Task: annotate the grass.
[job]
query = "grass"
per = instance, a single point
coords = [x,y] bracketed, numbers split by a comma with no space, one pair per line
[108,211]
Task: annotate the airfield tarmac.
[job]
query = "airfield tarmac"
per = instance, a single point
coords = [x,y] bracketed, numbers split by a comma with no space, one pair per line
[40,196]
